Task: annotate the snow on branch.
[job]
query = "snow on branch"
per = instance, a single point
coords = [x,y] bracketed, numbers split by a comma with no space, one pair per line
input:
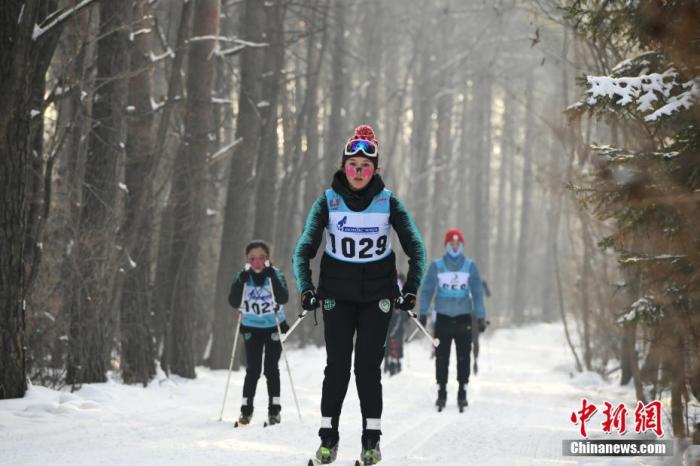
[662,257]
[242,44]
[156,58]
[57,18]
[684,100]
[635,87]
[643,310]
[216,156]
[642,89]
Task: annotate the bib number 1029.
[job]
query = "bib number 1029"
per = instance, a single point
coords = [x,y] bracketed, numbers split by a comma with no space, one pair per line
[366,247]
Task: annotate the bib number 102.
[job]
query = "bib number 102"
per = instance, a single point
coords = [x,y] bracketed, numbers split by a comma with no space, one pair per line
[258,308]
[365,246]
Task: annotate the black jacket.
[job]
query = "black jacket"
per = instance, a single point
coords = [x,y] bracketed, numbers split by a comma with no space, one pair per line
[360,282]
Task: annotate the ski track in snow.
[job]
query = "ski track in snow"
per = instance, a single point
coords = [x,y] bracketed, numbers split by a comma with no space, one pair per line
[518,414]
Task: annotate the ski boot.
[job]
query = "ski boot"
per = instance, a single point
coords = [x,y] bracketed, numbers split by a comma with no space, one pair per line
[244,418]
[441,399]
[326,453]
[371,454]
[273,415]
[462,398]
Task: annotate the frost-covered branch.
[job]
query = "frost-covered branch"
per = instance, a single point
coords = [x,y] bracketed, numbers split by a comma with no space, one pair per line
[57,18]
[632,87]
[219,154]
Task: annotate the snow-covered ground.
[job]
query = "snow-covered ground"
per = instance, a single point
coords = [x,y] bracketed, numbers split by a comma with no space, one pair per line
[520,404]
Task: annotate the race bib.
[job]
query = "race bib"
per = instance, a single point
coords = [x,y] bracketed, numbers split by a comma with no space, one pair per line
[453,284]
[358,236]
[259,300]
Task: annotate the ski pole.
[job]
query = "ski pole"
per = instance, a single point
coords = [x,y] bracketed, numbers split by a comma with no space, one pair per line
[284,337]
[414,316]
[284,355]
[230,365]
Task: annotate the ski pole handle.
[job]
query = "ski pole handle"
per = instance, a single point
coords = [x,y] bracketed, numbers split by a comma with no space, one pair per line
[284,337]
[434,341]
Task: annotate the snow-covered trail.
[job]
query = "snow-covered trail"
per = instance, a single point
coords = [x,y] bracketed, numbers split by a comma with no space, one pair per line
[519,409]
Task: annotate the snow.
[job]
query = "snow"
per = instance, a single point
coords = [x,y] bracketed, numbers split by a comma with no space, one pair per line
[647,91]
[156,58]
[155,106]
[39,31]
[34,113]
[224,150]
[684,100]
[138,32]
[123,187]
[132,264]
[520,403]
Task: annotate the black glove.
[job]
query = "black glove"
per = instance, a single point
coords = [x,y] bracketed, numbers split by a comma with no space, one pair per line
[245,273]
[423,320]
[406,301]
[284,327]
[482,325]
[269,270]
[309,301]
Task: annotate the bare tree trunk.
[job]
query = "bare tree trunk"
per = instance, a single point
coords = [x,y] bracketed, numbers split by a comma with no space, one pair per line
[189,192]
[96,256]
[372,39]
[443,141]
[421,129]
[335,132]
[519,297]
[163,284]
[307,123]
[463,158]
[237,229]
[266,171]
[586,274]
[499,278]
[23,64]
[137,351]
[481,175]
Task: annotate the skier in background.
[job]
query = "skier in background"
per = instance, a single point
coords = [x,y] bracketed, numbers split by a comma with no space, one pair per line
[265,290]
[357,287]
[394,347]
[459,304]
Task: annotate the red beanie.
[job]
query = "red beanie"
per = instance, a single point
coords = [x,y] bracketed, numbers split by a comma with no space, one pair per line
[450,235]
[364,132]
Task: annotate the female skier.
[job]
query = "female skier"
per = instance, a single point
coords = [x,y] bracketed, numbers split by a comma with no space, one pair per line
[262,289]
[357,286]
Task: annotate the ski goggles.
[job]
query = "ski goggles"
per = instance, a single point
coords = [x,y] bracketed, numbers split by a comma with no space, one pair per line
[363,146]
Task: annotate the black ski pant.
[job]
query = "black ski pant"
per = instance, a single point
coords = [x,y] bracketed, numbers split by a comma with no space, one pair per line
[342,320]
[255,341]
[447,329]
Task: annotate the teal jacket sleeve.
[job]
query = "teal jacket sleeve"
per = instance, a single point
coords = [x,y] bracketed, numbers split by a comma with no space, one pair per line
[411,242]
[428,289]
[309,242]
[477,290]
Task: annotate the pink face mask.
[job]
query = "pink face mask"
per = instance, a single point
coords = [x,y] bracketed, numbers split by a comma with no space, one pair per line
[258,263]
[366,172]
